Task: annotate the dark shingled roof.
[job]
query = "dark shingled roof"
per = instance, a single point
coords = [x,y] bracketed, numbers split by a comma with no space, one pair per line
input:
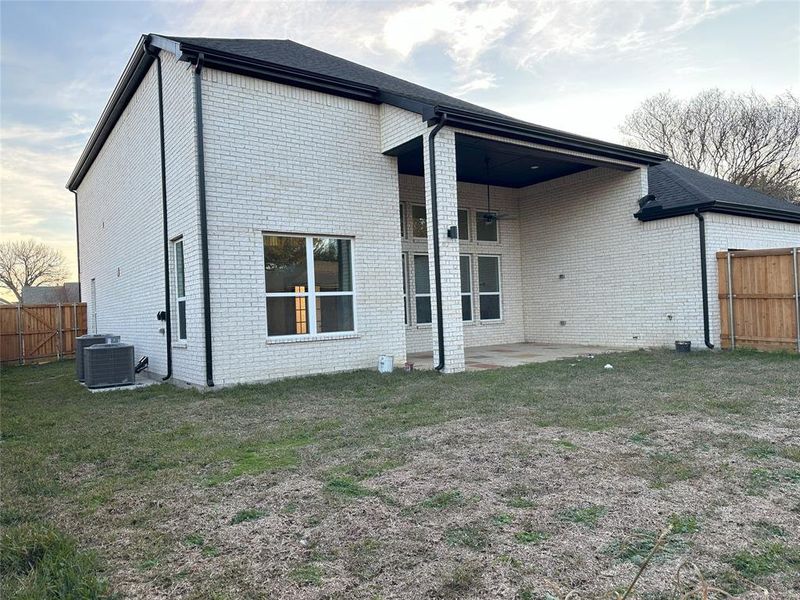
[679,190]
[297,56]
[297,65]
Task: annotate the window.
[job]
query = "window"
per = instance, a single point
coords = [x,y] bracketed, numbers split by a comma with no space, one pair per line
[419,221]
[405,291]
[466,288]
[309,285]
[463,224]
[422,288]
[489,287]
[180,288]
[485,229]
[402,221]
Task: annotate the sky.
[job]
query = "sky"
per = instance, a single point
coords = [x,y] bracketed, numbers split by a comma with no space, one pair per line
[580,66]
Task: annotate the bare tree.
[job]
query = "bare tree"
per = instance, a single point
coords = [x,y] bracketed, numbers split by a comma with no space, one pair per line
[27,263]
[743,138]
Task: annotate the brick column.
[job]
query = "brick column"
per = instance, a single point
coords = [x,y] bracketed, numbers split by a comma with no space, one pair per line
[448,251]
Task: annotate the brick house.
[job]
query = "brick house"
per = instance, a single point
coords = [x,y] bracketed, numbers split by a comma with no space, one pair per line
[256,209]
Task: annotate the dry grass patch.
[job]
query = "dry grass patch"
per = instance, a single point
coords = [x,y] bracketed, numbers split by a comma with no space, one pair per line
[531,482]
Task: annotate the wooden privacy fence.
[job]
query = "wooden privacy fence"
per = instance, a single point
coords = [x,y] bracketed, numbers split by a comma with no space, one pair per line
[759,299]
[31,333]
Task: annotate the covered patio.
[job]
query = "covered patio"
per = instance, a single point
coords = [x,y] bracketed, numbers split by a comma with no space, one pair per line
[481,358]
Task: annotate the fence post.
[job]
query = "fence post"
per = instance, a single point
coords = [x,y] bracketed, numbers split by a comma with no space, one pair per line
[796,296]
[730,303]
[60,325]
[20,338]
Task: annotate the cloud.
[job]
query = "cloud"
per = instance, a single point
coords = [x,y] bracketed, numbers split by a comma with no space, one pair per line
[33,202]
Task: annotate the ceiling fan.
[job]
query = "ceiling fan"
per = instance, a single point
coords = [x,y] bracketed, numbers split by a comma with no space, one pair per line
[491,216]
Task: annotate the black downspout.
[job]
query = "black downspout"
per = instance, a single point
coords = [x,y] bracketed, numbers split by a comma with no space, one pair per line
[437,269]
[78,242]
[704,277]
[165,229]
[201,189]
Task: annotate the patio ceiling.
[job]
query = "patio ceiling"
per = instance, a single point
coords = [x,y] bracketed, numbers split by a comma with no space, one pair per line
[510,165]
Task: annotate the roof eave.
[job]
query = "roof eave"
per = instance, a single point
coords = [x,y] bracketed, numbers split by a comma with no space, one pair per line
[137,67]
[545,136]
[279,73]
[656,213]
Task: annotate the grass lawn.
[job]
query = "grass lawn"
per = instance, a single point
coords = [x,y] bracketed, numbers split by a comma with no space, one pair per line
[527,483]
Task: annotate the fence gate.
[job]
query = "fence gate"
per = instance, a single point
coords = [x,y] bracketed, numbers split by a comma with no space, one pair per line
[759,299]
[30,333]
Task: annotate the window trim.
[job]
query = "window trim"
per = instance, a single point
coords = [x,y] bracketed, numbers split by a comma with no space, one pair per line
[411,217]
[498,293]
[311,294]
[181,339]
[470,293]
[417,295]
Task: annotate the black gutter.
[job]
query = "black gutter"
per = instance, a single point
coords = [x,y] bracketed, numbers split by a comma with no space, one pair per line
[234,63]
[201,190]
[520,130]
[704,278]
[78,242]
[654,213]
[437,267]
[165,230]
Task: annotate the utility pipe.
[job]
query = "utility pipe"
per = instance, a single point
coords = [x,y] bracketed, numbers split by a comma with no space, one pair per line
[165,230]
[704,278]
[201,190]
[437,269]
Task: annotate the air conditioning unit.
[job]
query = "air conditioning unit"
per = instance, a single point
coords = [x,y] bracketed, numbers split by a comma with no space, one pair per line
[84,341]
[107,365]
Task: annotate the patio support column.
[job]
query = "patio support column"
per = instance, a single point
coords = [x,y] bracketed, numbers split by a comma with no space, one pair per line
[447,200]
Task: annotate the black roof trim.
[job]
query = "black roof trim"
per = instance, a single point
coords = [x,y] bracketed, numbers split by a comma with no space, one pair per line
[478,120]
[136,69]
[654,213]
[511,128]
[233,63]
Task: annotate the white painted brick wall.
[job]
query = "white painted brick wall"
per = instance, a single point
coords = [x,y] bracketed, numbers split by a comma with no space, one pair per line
[119,208]
[282,159]
[626,283]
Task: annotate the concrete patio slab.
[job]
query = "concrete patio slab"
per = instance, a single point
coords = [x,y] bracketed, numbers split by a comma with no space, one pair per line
[481,358]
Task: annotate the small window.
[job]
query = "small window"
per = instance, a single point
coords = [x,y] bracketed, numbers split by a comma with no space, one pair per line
[309,285]
[485,229]
[180,288]
[402,221]
[419,221]
[463,224]
[466,288]
[489,287]
[422,288]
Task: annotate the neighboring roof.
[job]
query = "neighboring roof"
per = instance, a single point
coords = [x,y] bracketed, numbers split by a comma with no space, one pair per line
[51,294]
[679,190]
[292,63]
